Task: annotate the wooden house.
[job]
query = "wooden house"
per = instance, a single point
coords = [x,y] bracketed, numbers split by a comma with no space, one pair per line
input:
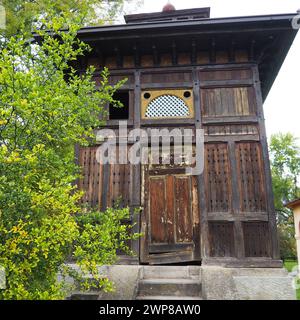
[222,69]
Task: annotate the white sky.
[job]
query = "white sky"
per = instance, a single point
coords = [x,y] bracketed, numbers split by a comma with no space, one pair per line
[282,107]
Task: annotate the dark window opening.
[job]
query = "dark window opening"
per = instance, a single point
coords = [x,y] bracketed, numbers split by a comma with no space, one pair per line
[120,113]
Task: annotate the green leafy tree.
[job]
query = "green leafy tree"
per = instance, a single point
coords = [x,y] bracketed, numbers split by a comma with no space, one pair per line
[42,117]
[24,14]
[285,165]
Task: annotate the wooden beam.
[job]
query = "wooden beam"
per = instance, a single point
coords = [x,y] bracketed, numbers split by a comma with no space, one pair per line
[228,120]
[212,52]
[162,247]
[231,138]
[137,57]
[174,54]
[136,169]
[119,57]
[267,170]
[194,52]
[252,50]
[239,216]
[204,232]
[232,52]
[181,85]
[155,55]
[238,228]
[225,83]
[162,122]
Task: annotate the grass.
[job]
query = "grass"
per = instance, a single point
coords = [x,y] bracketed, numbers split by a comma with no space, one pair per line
[289,264]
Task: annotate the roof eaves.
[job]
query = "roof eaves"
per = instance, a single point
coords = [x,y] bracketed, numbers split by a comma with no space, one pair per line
[293,204]
[196,22]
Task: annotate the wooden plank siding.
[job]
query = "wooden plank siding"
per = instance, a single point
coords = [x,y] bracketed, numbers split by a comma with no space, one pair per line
[113,180]
[227,102]
[251,180]
[224,213]
[91,178]
[217,178]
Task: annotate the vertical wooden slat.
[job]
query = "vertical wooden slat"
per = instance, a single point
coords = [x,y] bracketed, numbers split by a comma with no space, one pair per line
[196,218]
[183,215]
[266,163]
[157,205]
[238,230]
[170,203]
[226,102]
[221,239]
[250,176]
[257,239]
[135,188]
[203,236]
[217,178]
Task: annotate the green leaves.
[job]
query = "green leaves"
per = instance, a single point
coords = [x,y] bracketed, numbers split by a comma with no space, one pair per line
[27,14]
[42,117]
[285,166]
[285,161]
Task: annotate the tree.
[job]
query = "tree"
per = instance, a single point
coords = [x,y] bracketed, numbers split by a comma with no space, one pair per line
[42,117]
[285,166]
[25,14]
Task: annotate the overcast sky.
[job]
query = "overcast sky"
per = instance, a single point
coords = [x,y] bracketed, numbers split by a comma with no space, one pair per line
[282,107]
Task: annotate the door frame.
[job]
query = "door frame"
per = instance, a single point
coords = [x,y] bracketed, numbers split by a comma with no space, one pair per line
[176,256]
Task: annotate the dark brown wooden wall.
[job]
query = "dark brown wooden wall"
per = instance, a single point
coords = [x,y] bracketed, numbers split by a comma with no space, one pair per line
[235,201]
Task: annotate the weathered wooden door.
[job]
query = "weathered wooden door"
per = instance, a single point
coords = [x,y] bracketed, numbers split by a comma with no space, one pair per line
[170,219]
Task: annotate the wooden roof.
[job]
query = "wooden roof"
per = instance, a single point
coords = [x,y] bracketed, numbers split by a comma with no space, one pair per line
[267,38]
[197,13]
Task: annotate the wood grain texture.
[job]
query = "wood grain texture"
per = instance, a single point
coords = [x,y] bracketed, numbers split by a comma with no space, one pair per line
[251,177]
[228,102]
[166,77]
[221,239]
[257,239]
[171,207]
[226,74]
[183,213]
[91,177]
[227,211]
[217,178]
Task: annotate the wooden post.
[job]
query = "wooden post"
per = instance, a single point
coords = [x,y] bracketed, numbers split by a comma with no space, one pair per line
[136,169]
[267,170]
[238,227]
[204,235]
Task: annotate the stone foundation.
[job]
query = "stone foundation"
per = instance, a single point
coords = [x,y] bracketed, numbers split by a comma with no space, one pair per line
[217,283]
[220,283]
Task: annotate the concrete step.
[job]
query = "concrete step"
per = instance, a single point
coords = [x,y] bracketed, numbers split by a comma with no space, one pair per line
[169,287]
[84,296]
[171,272]
[167,298]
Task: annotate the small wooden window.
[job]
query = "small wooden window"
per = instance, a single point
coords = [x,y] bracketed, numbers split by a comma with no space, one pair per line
[120,113]
[167,104]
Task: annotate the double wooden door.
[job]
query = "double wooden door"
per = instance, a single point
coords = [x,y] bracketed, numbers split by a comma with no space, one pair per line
[170,220]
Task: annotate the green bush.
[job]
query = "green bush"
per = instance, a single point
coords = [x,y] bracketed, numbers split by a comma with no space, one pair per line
[45,109]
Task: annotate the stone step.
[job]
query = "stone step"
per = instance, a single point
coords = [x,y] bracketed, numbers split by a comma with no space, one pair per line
[169,287]
[171,272]
[167,298]
[84,296]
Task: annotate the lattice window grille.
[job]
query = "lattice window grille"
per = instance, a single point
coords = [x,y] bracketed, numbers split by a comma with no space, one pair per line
[167,106]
